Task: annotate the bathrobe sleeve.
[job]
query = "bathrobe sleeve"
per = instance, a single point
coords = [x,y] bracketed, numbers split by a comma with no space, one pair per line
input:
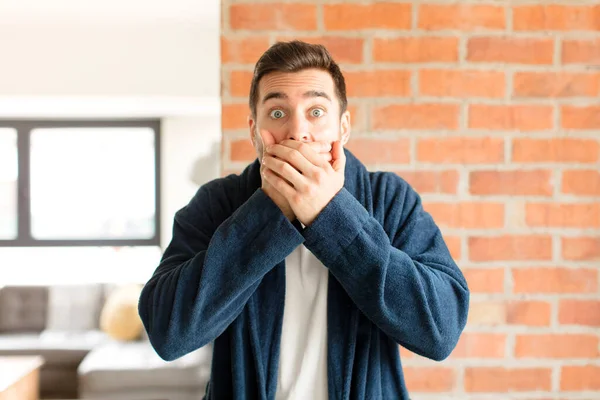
[213,264]
[400,274]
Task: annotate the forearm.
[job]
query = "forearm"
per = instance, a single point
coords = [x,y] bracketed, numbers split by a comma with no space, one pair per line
[420,300]
[195,294]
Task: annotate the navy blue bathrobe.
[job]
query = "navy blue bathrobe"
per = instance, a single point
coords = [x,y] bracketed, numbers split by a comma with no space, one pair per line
[221,279]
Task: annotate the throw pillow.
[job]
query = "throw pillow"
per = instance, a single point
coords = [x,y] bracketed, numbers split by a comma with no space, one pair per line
[119,318]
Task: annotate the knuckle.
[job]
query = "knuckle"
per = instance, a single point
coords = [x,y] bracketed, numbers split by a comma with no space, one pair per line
[303,147]
[288,168]
[281,168]
[294,155]
[318,176]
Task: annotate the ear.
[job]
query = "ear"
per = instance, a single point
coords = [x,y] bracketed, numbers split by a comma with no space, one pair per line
[345,127]
[252,130]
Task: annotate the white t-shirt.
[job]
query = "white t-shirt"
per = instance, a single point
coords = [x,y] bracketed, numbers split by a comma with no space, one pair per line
[302,372]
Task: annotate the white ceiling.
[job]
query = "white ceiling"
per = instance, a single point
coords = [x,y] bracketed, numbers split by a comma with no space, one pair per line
[205,12]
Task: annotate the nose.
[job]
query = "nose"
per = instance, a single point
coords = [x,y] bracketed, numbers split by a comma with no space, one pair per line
[298,128]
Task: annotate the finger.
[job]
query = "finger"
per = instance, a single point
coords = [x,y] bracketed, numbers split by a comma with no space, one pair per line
[290,148]
[266,139]
[286,171]
[279,184]
[320,147]
[292,157]
[339,157]
[264,168]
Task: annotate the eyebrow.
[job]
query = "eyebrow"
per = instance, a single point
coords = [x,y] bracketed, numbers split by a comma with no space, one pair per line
[281,95]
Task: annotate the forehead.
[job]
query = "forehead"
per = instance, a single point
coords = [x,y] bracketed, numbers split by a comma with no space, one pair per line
[295,84]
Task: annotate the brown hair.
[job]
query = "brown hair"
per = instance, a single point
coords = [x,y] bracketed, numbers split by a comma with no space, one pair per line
[295,56]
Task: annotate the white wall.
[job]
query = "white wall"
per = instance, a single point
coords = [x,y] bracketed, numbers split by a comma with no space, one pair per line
[118,59]
[96,60]
[110,48]
[191,148]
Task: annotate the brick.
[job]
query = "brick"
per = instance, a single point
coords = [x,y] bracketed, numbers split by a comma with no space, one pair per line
[404,353]
[234,116]
[509,248]
[528,313]
[378,83]
[461,84]
[415,49]
[485,280]
[239,83]
[556,84]
[503,380]
[416,116]
[486,313]
[510,117]
[454,244]
[242,150]
[580,117]
[580,377]
[563,215]
[581,51]
[468,215]
[273,16]
[378,151]
[357,116]
[465,17]
[342,49]
[556,17]
[510,50]
[556,346]
[561,150]
[581,248]
[480,345]
[579,312]
[375,15]
[432,181]
[555,280]
[581,182]
[511,183]
[245,50]
[429,379]
[460,150]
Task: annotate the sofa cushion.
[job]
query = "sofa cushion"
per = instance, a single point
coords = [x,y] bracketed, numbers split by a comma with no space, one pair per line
[23,308]
[143,394]
[74,307]
[66,349]
[135,365]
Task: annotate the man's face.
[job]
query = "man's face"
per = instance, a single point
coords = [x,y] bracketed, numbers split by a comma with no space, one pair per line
[299,106]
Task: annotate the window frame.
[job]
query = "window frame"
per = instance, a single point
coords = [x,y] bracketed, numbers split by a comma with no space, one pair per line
[23,128]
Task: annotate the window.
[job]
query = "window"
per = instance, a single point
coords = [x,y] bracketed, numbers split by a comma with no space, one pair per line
[8,184]
[79,183]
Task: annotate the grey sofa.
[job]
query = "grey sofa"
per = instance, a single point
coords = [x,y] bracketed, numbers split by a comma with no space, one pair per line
[133,371]
[61,323]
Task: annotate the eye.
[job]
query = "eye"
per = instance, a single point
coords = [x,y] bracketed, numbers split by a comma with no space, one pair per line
[277,114]
[317,112]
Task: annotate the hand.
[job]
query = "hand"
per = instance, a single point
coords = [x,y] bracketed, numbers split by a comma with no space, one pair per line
[267,139]
[307,181]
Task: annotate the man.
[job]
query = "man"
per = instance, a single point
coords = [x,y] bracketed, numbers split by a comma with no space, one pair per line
[305,271]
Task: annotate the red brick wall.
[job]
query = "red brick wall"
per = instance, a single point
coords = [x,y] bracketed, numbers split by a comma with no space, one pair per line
[491,110]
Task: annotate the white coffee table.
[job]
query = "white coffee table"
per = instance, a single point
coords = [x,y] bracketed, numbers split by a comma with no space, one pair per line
[20,377]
